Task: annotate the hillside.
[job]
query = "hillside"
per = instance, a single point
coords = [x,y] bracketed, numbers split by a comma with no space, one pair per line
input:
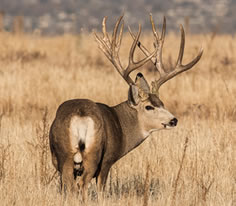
[57,16]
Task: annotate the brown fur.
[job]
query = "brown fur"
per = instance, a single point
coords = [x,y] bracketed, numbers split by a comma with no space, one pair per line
[118,130]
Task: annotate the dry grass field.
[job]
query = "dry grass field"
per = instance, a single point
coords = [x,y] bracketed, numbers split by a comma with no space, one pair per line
[192,164]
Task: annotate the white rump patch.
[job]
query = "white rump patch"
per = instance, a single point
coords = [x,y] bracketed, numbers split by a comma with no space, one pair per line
[81,129]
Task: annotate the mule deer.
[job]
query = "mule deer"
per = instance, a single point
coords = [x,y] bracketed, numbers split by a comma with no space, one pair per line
[87,138]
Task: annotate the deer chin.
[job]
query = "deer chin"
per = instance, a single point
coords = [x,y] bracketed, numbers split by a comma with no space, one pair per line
[148,133]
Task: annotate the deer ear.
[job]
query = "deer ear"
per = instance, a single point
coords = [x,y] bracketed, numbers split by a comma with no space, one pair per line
[133,95]
[142,83]
[143,86]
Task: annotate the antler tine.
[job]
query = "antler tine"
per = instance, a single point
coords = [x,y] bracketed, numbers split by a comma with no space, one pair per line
[163,33]
[114,43]
[131,52]
[143,49]
[181,54]
[158,44]
[120,35]
[154,29]
[135,65]
[181,48]
[104,30]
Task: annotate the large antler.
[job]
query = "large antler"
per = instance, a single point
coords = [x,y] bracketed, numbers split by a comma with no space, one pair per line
[157,59]
[111,49]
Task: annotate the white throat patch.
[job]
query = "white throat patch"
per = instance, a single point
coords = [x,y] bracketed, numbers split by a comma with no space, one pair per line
[148,133]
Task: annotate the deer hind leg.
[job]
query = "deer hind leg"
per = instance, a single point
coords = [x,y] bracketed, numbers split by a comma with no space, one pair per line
[102,177]
[67,177]
[53,151]
[90,163]
[54,160]
[83,184]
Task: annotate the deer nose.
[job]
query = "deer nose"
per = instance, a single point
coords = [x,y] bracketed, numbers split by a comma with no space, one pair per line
[173,122]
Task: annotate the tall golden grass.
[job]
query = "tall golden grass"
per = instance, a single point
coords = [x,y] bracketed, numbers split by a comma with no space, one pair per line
[193,164]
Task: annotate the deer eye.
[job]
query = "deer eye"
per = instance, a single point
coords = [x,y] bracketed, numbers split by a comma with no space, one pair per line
[149,108]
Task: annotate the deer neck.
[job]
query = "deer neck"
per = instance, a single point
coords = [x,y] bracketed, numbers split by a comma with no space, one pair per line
[132,134]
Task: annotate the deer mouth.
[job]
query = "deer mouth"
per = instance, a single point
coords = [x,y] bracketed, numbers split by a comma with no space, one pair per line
[167,126]
[171,124]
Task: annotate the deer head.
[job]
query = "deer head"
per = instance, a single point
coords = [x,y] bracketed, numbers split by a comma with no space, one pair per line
[152,114]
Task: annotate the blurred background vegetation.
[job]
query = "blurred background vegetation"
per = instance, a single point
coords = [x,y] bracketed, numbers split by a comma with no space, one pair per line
[58,16]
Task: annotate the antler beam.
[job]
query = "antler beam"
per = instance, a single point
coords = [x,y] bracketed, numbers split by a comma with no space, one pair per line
[111,49]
